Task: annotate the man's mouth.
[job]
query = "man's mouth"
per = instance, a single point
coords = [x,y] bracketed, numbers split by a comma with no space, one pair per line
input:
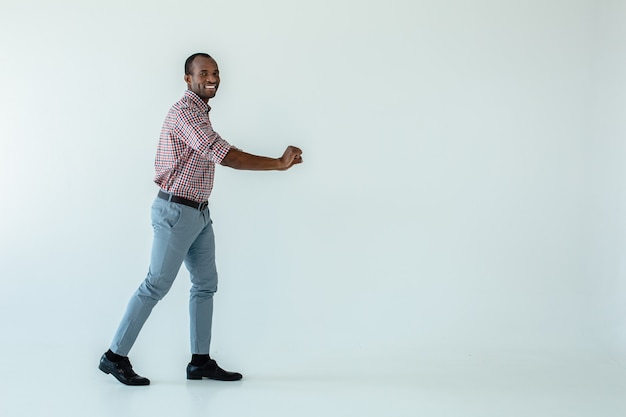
[210,87]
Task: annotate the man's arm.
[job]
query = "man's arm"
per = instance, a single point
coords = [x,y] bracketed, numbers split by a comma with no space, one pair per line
[239,159]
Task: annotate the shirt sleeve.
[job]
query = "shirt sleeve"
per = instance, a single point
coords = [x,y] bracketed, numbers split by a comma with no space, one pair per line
[198,134]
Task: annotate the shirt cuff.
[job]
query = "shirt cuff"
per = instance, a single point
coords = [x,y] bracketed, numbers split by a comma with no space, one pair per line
[219,150]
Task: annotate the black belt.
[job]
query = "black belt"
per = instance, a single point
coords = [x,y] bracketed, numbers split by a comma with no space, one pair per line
[181,200]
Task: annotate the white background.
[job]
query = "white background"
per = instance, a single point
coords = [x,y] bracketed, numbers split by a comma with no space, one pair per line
[462,193]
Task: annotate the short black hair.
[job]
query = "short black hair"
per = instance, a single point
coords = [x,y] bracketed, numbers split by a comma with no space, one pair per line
[189,61]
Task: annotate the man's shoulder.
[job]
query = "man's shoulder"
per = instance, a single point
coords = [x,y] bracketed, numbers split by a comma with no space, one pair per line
[183,113]
[182,104]
[191,103]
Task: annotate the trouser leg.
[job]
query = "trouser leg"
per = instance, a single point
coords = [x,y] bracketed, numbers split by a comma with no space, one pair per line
[175,229]
[200,261]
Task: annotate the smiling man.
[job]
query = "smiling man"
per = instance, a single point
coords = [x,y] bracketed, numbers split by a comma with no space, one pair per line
[185,162]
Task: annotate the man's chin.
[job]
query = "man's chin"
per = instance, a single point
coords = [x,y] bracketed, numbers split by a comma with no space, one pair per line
[206,97]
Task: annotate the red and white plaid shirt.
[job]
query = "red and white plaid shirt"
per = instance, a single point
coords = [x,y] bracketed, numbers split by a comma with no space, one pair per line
[188,150]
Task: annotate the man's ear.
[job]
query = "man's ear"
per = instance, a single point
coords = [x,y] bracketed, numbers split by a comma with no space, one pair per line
[188,79]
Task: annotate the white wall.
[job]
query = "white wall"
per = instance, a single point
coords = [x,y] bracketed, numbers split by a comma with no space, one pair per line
[462,179]
[607,173]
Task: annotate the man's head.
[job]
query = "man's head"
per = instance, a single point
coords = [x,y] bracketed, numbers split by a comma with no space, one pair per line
[202,75]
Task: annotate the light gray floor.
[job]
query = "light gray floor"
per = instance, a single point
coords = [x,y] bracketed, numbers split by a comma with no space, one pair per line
[491,385]
[49,358]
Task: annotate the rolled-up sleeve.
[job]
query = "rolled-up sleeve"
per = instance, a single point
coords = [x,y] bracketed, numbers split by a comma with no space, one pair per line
[199,135]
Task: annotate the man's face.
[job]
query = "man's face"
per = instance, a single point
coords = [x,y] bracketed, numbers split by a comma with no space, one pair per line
[204,79]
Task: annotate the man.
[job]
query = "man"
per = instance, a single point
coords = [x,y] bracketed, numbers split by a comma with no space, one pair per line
[187,153]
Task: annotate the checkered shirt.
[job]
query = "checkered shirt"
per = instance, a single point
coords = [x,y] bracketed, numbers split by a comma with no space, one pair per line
[188,150]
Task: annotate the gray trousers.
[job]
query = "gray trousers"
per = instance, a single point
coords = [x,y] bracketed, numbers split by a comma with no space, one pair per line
[181,234]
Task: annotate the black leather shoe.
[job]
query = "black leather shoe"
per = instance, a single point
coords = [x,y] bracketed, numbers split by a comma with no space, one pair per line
[212,371]
[123,371]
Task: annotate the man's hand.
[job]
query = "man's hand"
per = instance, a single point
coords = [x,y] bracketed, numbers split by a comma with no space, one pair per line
[291,157]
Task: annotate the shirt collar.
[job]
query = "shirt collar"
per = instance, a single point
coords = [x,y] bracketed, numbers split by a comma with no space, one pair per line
[196,101]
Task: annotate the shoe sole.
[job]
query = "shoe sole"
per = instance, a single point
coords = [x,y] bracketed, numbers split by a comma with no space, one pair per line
[198,378]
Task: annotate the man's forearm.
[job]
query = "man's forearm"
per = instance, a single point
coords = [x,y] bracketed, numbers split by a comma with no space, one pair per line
[238,159]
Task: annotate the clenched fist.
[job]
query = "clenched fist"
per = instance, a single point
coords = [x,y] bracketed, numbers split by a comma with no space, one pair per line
[291,156]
